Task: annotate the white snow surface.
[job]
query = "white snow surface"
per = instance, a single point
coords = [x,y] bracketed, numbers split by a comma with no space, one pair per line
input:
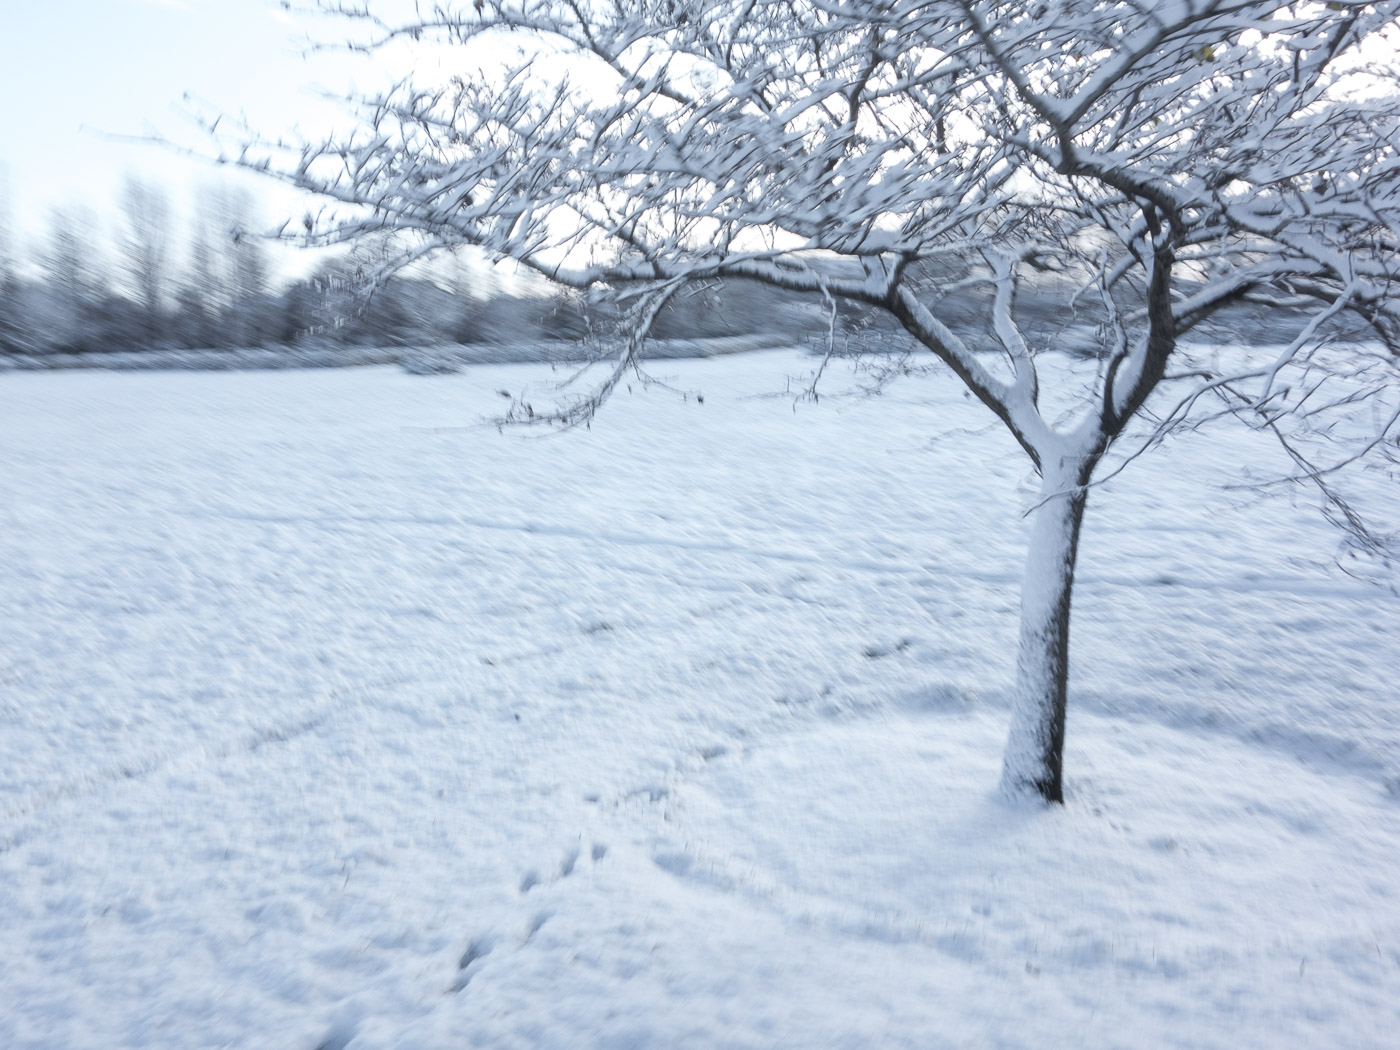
[330,719]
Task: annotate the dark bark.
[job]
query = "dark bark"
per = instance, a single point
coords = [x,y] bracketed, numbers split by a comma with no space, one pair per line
[1034,758]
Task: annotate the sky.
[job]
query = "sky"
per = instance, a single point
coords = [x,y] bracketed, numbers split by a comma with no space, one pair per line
[77,73]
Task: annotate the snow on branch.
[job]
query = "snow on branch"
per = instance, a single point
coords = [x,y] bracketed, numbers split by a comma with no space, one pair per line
[1180,159]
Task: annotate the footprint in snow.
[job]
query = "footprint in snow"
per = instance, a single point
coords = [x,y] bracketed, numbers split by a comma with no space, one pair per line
[568,864]
[477,949]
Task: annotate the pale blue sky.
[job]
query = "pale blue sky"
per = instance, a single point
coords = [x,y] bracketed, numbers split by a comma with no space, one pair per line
[122,66]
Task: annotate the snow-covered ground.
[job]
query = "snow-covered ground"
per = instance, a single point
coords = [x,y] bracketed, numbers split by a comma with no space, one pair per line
[329,719]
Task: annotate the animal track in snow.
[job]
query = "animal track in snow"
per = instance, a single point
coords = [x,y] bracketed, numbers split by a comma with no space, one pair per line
[536,924]
[568,864]
[878,651]
[477,949]
[481,946]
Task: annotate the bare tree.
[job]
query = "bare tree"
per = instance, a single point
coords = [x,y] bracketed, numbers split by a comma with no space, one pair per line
[145,248]
[10,325]
[223,298]
[247,268]
[7,251]
[198,295]
[76,281]
[1165,161]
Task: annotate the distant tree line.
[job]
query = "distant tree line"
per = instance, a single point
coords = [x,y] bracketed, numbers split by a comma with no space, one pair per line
[211,285]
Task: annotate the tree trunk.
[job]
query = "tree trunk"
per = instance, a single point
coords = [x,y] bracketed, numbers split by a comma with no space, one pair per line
[1035,747]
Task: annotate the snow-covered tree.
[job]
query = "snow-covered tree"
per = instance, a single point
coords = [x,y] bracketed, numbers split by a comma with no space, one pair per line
[1159,162]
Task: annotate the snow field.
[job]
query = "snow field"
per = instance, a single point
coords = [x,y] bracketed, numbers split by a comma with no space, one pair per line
[329,719]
